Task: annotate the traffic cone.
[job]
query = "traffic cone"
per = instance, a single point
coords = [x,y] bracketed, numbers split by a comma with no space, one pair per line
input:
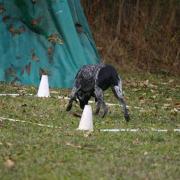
[43,90]
[86,122]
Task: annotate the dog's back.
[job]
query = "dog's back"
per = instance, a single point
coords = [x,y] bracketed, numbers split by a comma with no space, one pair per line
[107,77]
[86,77]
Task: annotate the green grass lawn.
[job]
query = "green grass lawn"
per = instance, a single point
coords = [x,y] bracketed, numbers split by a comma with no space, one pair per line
[29,151]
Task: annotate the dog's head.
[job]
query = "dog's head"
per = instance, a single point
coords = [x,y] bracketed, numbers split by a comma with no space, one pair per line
[83,98]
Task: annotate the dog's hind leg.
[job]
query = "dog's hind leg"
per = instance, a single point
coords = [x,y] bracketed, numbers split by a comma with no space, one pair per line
[98,106]
[100,101]
[117,90]
[72,98]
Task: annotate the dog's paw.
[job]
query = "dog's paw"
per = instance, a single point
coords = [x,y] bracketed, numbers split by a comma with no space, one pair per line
[97,111]
[127,117]
[104,112]
[68,108]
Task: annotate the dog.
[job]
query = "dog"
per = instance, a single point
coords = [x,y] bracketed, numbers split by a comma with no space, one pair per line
[91,81]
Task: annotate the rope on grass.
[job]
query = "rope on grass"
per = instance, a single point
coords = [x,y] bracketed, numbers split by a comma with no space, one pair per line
[15,95]
[62,97]
[59,97]
[101,130]
[91,102]
[142,130]
[21,121]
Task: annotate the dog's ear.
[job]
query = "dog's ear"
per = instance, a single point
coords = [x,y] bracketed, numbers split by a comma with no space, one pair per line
[83,101]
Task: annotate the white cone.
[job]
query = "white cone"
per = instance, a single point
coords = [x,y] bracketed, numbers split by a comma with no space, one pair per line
[86,122]
[43,90]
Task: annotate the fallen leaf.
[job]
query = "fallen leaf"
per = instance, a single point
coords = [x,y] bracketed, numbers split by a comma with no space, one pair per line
[50,51]
[174,111]
[145,153]
[171,80]
[87,134]
[177,105]
[54,92]
[54,38]
[146,83]
[166,105]
[136,141]
[142,101]
[9,144]
[34,57]
[153,86]
[141,98]
[168,99]
[35,22]
[154,97]
[9,163]
[5,18]
[76,114]
[153,91]
[2,8]
[73,145]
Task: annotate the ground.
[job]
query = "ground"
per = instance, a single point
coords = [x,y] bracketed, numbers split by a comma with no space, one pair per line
[30,151]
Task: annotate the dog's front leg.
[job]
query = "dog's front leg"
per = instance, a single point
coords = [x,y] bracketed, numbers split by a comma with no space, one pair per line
[98,106]
[100,101]
[72,98]
[118,93]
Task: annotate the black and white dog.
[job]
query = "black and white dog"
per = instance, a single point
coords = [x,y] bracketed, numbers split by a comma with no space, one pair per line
[92,80]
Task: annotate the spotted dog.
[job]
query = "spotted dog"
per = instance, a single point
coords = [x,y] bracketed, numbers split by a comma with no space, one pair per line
[92,80]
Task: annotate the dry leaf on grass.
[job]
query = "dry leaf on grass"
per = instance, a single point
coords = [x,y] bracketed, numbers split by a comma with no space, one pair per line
[174,111]
[136,142]
[88,133]
[166,106]
[145,153]
[169,99]
[73,145]
[76,114]
[54,92]
[171,81]
[177,105]
[9,163]
[8,144]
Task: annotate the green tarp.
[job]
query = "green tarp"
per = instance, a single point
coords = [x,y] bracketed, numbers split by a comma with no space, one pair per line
[44,37]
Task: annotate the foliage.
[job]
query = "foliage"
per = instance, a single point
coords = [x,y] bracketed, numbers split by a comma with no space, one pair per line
[137,34]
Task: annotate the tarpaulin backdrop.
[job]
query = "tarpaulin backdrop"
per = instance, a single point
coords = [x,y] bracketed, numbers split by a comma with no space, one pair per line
[44,37]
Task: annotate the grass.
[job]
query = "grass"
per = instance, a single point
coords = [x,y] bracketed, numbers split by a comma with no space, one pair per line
[28,151]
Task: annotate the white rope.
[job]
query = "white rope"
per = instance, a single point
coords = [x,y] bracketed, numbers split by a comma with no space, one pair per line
[64,97]
[136,130]
[15,95]
[21,121]
[101,130]
[91,102]
[176,130]
[119,130]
